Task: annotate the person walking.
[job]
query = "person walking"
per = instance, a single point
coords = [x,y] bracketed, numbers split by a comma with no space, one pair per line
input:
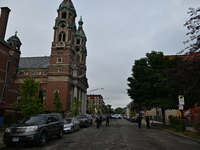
[97,121]
[147,121]
[107,119]
[139,120]
[100,118]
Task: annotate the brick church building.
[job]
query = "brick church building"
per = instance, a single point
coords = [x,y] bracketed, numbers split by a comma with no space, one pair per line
[63,71]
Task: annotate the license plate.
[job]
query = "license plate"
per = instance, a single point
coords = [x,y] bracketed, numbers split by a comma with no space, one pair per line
[15,139]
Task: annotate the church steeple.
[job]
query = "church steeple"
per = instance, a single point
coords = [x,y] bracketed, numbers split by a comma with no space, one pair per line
[64,25]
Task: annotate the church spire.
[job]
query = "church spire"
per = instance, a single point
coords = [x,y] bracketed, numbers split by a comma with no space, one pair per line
[80,27]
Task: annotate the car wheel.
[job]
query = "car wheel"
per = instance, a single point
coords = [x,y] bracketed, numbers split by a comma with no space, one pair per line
[60,135]
[78,128]
[43,139]
[72,130]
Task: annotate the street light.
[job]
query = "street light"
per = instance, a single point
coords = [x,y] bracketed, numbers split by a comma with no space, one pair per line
[90,91]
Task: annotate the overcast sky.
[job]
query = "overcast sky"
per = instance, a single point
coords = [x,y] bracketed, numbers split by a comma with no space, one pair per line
[118,32]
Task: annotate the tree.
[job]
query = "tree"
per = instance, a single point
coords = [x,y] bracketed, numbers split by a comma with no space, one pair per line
[119,110]
[185,78]
[91,107]
[57,103]
[147,86]
[31,104]
[193,25]
[75,106]
[109,109]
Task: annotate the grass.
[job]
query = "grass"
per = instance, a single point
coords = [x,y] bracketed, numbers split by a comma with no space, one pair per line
[191,134]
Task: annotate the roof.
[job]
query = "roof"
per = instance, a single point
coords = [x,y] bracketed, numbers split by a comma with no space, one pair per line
[34,62]
[14,39]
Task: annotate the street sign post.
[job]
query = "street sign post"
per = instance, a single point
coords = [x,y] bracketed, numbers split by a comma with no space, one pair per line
[181,103]
[181,100]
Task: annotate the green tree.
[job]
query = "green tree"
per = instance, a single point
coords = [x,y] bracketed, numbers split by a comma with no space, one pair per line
[57,103]
[109,109]
[75,106]
[31,104]
[185,78]
[193,25]
[91,107]
[119,110]
[147,86]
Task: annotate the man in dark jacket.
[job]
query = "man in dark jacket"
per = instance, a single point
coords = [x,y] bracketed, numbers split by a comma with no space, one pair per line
[107,119]
[139,120]
[147,121]
[98,121]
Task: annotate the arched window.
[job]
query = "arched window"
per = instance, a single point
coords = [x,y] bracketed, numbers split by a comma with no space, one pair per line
[64,15]
[46,72]
[78,41]
[34,73]
[56,91]
[21,73]
[62,36]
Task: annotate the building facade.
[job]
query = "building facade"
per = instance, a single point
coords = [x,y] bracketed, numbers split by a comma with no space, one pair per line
[63,71]
[96,103]
[9,63]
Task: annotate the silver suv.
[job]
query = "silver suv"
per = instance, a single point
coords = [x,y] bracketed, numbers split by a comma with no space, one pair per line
[34,129]
[85,120]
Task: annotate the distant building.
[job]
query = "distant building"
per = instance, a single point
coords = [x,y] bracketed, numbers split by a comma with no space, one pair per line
[63,71]
[95,102]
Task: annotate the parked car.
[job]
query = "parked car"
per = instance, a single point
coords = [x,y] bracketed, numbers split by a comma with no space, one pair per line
[117,116]
[71,125]
[34,129]
[133,118]
[103,117]
[85,120]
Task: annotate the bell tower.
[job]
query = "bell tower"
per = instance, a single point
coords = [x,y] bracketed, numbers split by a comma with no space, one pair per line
[62,50]
[67,70]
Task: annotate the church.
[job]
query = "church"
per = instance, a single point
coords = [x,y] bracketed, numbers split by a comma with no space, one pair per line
[63,71]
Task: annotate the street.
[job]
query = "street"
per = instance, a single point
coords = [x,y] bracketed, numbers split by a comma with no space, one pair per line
[120,135]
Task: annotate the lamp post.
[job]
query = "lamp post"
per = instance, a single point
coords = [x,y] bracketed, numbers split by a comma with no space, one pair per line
[90,91]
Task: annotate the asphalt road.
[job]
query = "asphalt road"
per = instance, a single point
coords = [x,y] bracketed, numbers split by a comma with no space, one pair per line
[120,135]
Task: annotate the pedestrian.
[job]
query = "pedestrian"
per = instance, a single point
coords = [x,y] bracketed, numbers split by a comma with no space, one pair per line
[100,118]
[97,121]
[139,120]
[147,121]
[107,119]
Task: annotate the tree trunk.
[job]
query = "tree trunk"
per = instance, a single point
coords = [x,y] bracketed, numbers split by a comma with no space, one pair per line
[163,116]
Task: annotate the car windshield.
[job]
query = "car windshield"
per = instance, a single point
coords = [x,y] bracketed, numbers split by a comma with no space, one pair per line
[81,116]
[67,120]
[34,119]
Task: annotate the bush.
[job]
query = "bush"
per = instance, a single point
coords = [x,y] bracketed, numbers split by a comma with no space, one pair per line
[178,125]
